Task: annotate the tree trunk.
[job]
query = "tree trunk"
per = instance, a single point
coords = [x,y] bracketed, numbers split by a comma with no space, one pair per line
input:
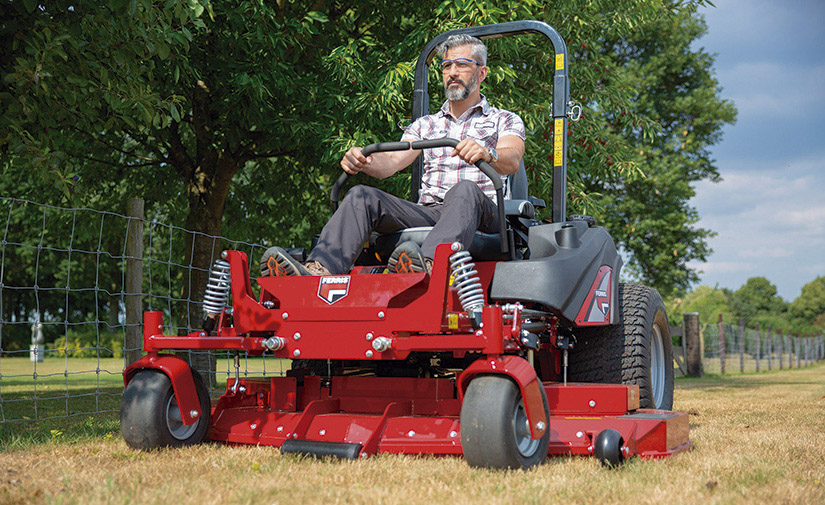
[207,202]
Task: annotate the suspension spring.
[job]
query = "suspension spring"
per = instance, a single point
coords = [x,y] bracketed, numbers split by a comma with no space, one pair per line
[217,289]
[466,281]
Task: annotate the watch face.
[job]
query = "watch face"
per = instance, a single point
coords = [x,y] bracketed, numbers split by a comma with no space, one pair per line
[493,155]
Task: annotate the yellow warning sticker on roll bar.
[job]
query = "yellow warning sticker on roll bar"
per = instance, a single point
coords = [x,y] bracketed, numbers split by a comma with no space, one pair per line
[560,61]
[558,142]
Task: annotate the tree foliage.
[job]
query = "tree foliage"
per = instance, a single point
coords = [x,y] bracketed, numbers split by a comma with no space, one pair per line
[754,302]
[229,117]
[808,310]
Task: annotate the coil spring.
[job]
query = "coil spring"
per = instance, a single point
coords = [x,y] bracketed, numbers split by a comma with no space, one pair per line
[466,281]
[217,289]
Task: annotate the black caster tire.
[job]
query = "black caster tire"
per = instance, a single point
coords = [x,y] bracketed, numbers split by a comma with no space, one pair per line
[608,448]
[150,417]
[494,430]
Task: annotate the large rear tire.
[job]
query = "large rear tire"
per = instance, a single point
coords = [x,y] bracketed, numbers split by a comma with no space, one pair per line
[150,416]
[494,429]
[636,351]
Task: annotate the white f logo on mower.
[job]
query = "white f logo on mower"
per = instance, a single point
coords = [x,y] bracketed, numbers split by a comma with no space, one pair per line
[332,289]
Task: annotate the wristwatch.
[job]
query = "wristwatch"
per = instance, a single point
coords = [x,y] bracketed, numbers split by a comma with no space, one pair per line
[493,155]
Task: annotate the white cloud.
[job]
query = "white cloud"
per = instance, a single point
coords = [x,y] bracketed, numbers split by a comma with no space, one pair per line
[769,210]
[769,224]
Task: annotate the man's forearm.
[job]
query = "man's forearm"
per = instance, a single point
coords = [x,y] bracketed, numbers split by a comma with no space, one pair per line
[385,164]
[508,160]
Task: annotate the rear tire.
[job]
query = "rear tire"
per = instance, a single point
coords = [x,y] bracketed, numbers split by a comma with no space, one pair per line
[494,430]
[150,416]
[636,351]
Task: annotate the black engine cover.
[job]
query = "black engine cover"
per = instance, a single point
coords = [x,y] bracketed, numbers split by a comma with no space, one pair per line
[564,261]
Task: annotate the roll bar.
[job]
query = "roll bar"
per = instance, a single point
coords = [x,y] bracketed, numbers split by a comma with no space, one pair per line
[561,98]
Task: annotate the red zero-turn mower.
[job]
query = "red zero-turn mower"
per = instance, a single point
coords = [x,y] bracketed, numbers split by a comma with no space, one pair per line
[522,346]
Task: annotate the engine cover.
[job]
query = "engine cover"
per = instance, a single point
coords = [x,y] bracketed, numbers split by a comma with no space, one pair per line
[573,271]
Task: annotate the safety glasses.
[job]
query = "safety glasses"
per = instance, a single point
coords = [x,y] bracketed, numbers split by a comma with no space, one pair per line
[460,63]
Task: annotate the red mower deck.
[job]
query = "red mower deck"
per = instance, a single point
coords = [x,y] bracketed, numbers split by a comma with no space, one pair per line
[421,416]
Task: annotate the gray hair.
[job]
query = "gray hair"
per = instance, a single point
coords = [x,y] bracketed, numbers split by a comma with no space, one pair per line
[478,51]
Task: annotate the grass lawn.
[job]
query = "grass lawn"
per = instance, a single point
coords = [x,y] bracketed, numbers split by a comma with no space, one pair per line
[758,439]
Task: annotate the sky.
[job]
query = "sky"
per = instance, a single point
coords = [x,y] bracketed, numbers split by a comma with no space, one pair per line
[769,210]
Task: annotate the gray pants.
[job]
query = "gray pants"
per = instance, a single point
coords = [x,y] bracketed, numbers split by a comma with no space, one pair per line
[365,209]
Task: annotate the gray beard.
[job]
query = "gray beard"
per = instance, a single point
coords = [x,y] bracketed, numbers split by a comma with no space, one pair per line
[463,91]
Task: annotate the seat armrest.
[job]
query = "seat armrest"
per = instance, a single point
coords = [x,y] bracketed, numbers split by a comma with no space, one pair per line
[519,208]
[537,202]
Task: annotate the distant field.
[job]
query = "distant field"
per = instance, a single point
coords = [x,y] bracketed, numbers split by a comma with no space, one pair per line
[758,439]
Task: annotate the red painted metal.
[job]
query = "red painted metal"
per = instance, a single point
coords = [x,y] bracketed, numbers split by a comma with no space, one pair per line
[417,313]
[597,301]
[179,374]
[415,416]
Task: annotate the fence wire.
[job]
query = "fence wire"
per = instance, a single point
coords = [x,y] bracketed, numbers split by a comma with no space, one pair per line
[62,305]
[730,348]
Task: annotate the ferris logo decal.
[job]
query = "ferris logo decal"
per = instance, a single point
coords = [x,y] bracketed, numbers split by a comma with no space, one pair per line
[596,307]
[332,289]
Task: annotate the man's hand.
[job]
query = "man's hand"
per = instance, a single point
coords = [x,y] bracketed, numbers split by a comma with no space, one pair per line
[354,161]
[471,151]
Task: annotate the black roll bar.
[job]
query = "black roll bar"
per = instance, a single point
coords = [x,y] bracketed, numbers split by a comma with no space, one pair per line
[561,98]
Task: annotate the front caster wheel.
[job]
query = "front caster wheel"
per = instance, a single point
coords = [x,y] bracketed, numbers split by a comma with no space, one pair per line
[494,426]
[608,448]
[150,416]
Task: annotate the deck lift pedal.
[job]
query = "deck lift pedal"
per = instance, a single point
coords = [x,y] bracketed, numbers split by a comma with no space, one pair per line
[472,359]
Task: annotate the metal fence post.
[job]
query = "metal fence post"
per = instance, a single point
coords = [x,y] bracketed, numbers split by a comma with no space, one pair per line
[741,345]
[133,344]
[721,345]
[788,343]
[692,341]
[798,354]
[758,347]
[770,348]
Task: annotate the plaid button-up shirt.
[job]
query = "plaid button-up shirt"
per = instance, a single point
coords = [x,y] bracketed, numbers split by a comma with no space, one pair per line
[482,122]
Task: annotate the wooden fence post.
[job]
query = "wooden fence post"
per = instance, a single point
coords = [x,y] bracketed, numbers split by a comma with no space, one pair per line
[721,345]
[741,345]
[758,347]
[134,281]
[693,344]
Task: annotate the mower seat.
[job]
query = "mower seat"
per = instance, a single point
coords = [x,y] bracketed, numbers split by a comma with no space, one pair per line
[485,246]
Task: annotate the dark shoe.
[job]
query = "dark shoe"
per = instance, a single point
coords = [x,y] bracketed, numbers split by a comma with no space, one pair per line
[408,258]
[276,262]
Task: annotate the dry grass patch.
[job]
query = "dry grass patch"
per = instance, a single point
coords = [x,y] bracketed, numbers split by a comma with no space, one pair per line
[758,439]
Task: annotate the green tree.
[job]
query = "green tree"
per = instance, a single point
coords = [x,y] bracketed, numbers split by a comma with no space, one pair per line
[708,302]
[229,117]
[757,301]
[807,312]
[675,89]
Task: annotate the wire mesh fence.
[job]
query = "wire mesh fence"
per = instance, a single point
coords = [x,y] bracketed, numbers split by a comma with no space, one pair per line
[65,293]
[63,303]
[730,348]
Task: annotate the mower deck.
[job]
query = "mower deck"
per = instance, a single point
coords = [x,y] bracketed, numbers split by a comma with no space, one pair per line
[360,416]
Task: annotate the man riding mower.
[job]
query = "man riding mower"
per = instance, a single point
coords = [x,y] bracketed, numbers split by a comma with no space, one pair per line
[469,347]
